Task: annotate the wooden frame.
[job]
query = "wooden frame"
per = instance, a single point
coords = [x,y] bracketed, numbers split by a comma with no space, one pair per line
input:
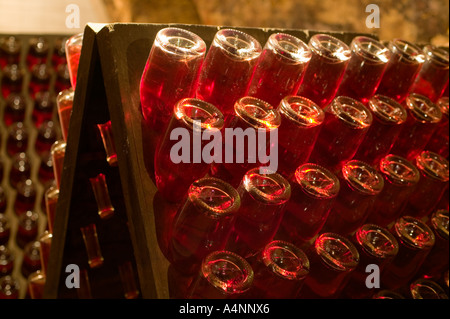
[111,65]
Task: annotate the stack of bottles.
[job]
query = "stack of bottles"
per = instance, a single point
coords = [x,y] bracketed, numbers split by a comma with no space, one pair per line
[33,69]
[297,170]
[42,71]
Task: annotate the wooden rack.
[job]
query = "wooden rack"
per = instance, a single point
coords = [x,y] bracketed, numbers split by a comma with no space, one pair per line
[111,65]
